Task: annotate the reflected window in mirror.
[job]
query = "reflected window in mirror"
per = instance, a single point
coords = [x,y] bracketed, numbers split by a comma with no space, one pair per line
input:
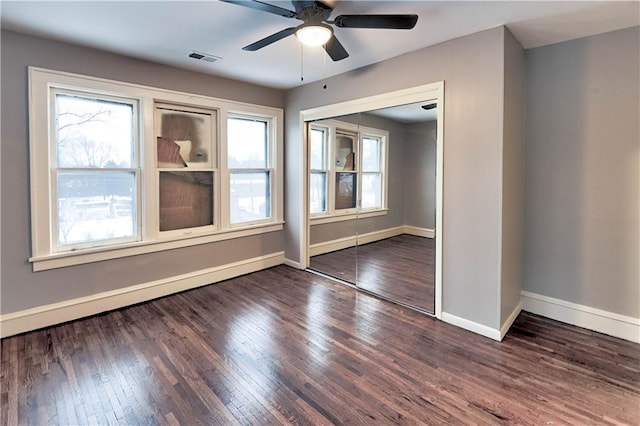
[356,170]
[372,172]
[345,151]
[318,140]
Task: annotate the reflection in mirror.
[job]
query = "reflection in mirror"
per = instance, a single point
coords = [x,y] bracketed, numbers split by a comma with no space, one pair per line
[333,196]
[396,252]
[372,208]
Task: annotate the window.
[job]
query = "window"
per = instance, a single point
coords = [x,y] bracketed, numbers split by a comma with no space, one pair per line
[346,189]
[119,169]
[357,172]
[249,169]
[318,170]
[372,172]
[95,170]
[185,145]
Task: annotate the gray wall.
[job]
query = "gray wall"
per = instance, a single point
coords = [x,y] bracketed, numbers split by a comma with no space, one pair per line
[472,68]
[22,288]
[420,175]
[582,172]
[512,177]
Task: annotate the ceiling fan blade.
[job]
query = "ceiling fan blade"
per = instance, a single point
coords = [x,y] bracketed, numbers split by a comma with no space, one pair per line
[335,49]
[265,7]
[393,22]
[270,39]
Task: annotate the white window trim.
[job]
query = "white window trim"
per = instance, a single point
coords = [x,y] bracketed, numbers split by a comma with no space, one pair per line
[272,156]
[152,214]
[41,81]
[331,214]
[54,169]
[326,131]
[383,137]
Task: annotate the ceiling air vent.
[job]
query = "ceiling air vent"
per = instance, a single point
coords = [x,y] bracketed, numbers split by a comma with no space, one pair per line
[203,56]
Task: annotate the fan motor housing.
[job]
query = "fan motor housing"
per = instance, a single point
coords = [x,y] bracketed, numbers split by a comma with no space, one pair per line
[311,11]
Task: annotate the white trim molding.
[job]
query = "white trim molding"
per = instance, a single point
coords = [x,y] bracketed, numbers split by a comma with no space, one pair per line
[594,319]
[369,237]
[509,321]
[352,240]
[293,264]
[474,327]
[55,313]
[481,329]
[419,232]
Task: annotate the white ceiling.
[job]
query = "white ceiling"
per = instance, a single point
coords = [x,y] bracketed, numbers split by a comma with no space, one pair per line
[167,31]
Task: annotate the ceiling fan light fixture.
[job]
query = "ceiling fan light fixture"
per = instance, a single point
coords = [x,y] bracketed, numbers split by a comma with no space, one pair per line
[314,35]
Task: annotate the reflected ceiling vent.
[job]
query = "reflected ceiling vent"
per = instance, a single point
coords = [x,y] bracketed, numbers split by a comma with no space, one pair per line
[205,57]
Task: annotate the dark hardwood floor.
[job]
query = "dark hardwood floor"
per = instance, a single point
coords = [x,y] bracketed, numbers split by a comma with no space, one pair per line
[284,346]
[341,264]
[400,268]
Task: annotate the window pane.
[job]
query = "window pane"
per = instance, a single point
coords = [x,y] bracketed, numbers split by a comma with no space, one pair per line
[247,146]
[371,190]
[370,155]
[345,155]
[186,199]
[185,138]
[318,153]
[250,196]
[318,192]
[345,190]
[93,132]
[95,206]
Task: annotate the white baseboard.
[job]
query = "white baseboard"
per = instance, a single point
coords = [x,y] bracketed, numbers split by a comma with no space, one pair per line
[509,321]
[372,237]
[55,313]
[293,264]
[475,327]
[333,245]
[419,232]
[350,241]
[606,322]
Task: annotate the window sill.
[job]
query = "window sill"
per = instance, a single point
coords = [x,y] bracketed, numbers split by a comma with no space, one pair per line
[61,260]
[317,220]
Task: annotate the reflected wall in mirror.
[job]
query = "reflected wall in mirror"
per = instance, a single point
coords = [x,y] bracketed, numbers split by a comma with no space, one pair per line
[385,244]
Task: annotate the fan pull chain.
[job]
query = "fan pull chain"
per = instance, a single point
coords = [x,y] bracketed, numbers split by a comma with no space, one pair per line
[301,62]
[324,70]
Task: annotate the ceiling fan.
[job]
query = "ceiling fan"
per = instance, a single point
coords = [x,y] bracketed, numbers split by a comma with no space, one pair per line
[316,29]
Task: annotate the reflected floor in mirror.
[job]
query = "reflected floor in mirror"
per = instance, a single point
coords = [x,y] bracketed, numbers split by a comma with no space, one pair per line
[400,268]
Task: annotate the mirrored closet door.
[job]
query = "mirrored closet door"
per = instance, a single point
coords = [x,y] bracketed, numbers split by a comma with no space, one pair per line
[372,186]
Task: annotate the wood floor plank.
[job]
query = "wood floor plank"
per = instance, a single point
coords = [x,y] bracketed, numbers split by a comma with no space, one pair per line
[283,346]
